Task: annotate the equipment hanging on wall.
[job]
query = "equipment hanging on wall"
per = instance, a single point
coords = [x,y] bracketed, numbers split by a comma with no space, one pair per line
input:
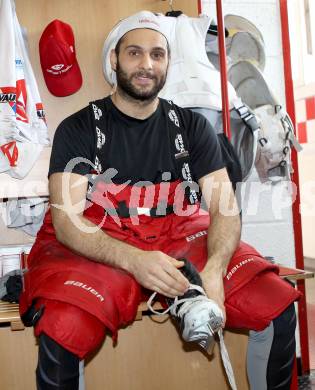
[276,135]
[244,42]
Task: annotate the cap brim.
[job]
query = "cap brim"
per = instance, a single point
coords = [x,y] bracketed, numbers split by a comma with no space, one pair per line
[65,84]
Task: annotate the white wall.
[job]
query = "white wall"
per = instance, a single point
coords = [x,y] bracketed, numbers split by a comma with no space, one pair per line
[304,87]
[307,180]
[267,221]
[303,63]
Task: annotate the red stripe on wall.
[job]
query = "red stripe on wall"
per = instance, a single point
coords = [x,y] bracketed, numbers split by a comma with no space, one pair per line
[302,132]
[310,108]
[297,223]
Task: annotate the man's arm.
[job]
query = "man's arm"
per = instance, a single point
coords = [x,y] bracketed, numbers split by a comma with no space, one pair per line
[223,233]
[153,270]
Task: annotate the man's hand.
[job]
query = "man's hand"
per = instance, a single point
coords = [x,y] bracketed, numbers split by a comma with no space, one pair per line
[212,281]
[158,272]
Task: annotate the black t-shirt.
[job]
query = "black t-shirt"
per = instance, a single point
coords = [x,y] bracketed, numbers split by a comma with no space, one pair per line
[139,149]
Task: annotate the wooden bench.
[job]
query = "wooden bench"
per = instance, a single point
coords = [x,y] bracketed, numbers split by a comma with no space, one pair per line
[9,313]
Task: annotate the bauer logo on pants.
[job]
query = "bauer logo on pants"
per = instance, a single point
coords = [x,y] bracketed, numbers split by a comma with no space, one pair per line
[85,287]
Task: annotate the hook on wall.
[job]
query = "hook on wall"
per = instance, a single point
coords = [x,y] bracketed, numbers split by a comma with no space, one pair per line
[170,3]
[171,11]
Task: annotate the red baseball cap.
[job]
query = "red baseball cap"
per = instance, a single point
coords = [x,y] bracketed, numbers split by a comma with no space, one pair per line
[58,60]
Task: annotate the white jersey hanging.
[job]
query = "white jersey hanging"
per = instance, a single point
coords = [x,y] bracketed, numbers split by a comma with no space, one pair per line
[192,80]
[23,129]
[7,73]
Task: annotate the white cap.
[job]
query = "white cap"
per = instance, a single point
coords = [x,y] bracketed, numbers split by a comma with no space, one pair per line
[143,19]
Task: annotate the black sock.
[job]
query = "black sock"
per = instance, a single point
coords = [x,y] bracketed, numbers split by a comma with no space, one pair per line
[57,368]
[282,353]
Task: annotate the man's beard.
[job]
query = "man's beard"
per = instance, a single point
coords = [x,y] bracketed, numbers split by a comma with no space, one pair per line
[124,82]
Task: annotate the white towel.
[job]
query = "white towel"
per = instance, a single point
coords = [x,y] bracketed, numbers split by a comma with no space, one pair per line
[26,214]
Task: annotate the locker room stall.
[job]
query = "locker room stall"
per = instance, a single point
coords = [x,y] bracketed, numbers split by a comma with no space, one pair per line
[149,355]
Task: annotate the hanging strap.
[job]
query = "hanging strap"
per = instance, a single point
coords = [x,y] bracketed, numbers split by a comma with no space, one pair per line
[245,113]
[103,134]
[288,126]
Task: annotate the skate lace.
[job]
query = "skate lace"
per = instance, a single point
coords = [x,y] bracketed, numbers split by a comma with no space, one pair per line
[186,303]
